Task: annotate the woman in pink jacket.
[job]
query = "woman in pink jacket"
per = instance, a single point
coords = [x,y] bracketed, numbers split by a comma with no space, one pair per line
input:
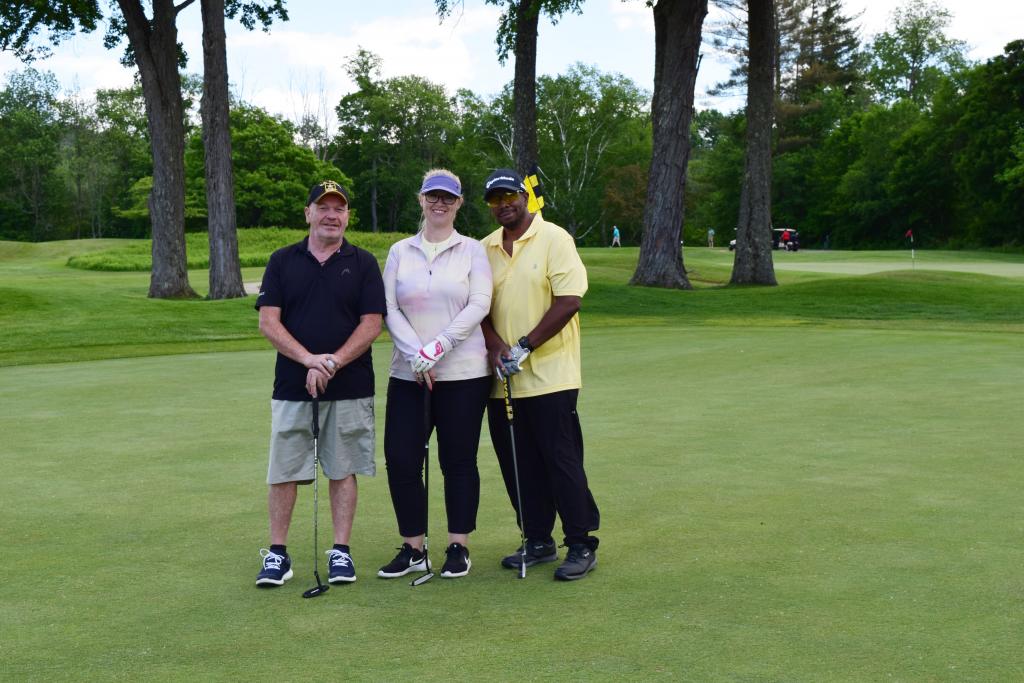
[438,289]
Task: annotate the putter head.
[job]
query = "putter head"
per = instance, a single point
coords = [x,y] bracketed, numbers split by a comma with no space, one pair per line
[315,591]
[319,589]
[420,580]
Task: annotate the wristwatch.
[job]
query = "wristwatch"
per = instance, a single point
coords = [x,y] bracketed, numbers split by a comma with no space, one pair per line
[525,343]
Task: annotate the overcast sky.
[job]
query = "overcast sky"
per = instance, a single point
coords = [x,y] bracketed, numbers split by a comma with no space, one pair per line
[300,58]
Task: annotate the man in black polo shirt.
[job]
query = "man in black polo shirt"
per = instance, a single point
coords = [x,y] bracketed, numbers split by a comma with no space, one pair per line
[321,305]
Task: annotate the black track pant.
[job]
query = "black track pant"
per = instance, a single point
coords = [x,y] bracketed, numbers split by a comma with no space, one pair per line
[456,410]
[549,451]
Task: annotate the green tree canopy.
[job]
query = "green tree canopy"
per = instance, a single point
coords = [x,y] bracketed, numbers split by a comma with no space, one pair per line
[273,172]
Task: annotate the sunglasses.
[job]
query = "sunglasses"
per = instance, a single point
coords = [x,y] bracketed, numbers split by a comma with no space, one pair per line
[446,199]
[506,198]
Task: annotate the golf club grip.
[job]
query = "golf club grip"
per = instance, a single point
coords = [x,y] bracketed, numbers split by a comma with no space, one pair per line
[508,397]
[316,418]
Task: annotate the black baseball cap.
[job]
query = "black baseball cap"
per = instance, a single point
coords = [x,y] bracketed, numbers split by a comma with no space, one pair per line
[504,179]
[324,188]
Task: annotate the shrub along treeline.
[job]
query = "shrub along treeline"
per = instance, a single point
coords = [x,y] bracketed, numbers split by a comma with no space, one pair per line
[255,246]
[872,139]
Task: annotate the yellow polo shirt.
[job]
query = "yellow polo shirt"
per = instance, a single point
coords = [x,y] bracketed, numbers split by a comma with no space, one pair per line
[544,264]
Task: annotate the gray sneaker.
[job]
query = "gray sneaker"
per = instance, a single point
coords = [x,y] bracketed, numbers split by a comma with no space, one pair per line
[578,562]
[536,553]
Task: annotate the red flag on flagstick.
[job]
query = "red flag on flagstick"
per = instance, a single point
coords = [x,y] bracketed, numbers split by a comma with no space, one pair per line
[910,234]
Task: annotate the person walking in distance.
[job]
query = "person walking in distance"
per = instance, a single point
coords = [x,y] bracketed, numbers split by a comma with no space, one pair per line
[321,306]
[533,338]
[438,289]
[616,240]
[711,238]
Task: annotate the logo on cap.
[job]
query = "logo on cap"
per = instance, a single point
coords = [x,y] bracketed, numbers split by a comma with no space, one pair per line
[502,177]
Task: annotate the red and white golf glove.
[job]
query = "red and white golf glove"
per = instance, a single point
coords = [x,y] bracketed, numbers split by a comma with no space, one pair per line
[431,352]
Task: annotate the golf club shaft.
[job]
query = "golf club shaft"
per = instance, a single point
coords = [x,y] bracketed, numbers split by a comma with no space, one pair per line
[320,587]
[515,471]
[316,485]
[426,490]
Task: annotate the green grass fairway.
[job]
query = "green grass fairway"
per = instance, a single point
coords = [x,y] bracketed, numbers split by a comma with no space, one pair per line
[817,482]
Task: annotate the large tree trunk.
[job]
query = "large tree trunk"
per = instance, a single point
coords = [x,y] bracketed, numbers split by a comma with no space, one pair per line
[753,261]
[155,45]
[225,271]
[374,224]
[524,136]
[677,27]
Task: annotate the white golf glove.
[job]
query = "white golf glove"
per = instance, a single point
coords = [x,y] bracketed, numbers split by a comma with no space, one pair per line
[513,365]
[431,352]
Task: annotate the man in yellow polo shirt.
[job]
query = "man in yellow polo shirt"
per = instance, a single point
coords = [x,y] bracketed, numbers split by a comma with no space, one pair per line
[533,335]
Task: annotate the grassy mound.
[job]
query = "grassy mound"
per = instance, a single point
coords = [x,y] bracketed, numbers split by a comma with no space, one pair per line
[255,245]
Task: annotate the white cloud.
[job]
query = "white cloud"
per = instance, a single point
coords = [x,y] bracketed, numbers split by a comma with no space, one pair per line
[630,16]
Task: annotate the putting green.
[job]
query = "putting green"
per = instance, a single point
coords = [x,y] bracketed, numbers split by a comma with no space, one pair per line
[819,481]
[768,496]
[798,262]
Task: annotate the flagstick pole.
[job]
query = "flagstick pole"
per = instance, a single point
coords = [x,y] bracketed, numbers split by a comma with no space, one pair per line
[913,258]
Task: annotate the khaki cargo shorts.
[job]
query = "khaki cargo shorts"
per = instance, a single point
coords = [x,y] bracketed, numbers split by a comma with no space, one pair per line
[345,446]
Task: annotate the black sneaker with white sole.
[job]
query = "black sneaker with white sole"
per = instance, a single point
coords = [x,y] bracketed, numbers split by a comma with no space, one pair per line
[578,562]
[276,569]
[407,560]
[456,561]
[536,553]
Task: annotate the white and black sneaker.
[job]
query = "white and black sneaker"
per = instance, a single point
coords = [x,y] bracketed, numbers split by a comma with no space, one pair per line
[407,560]
[456,561]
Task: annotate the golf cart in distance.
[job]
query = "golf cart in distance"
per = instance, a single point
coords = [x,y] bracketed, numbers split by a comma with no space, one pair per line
[785,238]
[782,238]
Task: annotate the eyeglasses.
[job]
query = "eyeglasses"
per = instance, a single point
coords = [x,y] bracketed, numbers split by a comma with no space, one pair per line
[446,199]
[506,198]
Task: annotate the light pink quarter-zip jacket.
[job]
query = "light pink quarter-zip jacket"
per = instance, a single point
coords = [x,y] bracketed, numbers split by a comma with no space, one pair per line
[448,297]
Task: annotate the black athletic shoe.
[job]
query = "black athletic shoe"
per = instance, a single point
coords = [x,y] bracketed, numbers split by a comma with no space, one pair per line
[407,560]
[456,561]
[578,562]
[536,553]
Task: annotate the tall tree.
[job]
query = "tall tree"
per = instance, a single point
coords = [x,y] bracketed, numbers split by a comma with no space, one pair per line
[30,134]
[271,168]
[677,29]
[390,132]
[154,48]
[909,59]
[225,269]
[586,117]
[753,260]
[517,33]
[729,36]
[155,51]
[21,21]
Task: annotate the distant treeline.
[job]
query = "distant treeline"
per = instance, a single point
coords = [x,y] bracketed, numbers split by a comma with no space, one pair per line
[869,142]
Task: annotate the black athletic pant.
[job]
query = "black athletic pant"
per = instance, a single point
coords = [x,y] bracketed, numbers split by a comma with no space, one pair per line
[549,451]
[456,410]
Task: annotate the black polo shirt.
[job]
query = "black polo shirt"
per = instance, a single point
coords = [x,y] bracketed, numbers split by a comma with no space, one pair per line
[320,307]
